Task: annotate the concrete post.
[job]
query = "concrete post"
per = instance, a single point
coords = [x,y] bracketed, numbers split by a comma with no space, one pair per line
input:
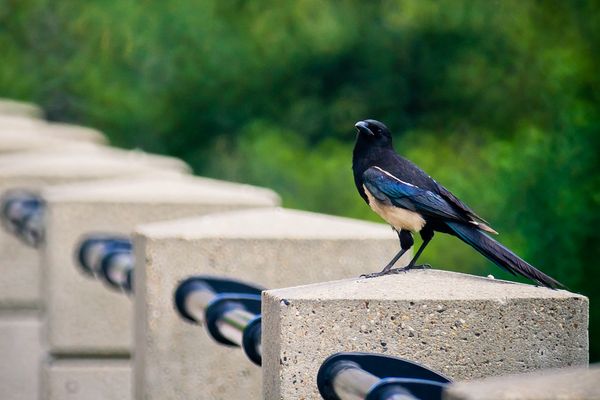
[271,248]
[14,141]
[72,151]
[21,133]
[19,264]
[85,320]
[555,384]
[460,325]
[20,349]
[15,125]
[19,108]
[108,379]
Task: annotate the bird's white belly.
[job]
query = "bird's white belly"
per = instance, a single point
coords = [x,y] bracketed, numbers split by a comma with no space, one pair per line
[399,218]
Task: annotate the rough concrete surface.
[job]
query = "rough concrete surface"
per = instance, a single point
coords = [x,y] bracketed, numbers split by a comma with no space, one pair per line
[460,325]
[578,383]
[20,355]
[270,247]
[83,316]
[87,380]
[19,264]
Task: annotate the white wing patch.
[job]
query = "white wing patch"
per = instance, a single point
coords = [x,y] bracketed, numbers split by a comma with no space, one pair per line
[399,218]
[393,177]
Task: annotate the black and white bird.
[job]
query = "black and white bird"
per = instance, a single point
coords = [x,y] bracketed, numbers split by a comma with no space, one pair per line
[411,201]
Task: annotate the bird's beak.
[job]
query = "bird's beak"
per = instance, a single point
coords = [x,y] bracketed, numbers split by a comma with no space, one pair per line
[362,127]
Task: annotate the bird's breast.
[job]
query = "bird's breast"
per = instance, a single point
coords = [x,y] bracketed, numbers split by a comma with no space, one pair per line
[399,218]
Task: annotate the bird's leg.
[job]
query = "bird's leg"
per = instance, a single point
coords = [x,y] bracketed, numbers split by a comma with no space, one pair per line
[426,235]
[406,242]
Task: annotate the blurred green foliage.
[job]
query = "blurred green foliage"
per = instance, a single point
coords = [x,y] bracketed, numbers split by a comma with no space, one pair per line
[499,100]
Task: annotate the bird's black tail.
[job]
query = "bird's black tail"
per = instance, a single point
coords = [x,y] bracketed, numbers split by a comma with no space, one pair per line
[501,255]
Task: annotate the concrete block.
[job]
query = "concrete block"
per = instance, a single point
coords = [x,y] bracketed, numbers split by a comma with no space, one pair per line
[19,133]
[19,264]
[555,384]
[270,247]
[58,130]
[88,318]
[20,108]
[108,379]
[21,353]
[14,141]
[78,150]
[460,325]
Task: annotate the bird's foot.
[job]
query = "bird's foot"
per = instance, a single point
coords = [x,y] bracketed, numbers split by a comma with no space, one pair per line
[383,273]
[395,271]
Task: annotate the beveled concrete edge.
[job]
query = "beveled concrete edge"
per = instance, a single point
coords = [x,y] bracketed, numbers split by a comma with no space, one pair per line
[307,292]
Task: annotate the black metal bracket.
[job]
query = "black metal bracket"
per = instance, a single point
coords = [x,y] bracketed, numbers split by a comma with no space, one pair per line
[397,375]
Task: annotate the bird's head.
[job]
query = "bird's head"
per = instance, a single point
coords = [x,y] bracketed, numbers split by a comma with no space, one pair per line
[373,132]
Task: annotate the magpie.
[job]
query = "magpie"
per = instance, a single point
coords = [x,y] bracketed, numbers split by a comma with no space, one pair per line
[411,201]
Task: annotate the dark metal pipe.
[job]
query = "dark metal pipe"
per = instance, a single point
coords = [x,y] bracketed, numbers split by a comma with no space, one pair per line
[109,258]
[363,376]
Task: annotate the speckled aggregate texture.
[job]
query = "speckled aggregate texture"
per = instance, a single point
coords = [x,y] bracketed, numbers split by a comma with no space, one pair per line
[85,317]
[460,325]
[177,360]
[577,383]
[87,380]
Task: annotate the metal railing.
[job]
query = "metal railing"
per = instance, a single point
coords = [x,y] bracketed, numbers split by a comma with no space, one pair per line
[363,376]
[109,258]
[22,214]
[229,309]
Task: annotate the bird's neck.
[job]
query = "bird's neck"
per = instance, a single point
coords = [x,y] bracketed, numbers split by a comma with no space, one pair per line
[366,154]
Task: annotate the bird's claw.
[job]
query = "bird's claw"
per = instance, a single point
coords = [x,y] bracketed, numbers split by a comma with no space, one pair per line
[395,271]
[383,273]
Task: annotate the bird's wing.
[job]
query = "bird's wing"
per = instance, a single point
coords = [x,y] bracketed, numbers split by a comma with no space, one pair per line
[455,201]
[389,189]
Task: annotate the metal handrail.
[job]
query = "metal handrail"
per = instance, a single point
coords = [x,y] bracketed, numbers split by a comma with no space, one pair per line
[364,376]
[229,309]
[108,257]
[22,214]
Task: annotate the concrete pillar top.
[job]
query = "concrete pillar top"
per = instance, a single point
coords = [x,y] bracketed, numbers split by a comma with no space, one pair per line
[11,141]
[72,132]
[10,122]
[76,165]
[61,148]
[15,107]
[168,188]
[11,127]
[418,285]
[272,223]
